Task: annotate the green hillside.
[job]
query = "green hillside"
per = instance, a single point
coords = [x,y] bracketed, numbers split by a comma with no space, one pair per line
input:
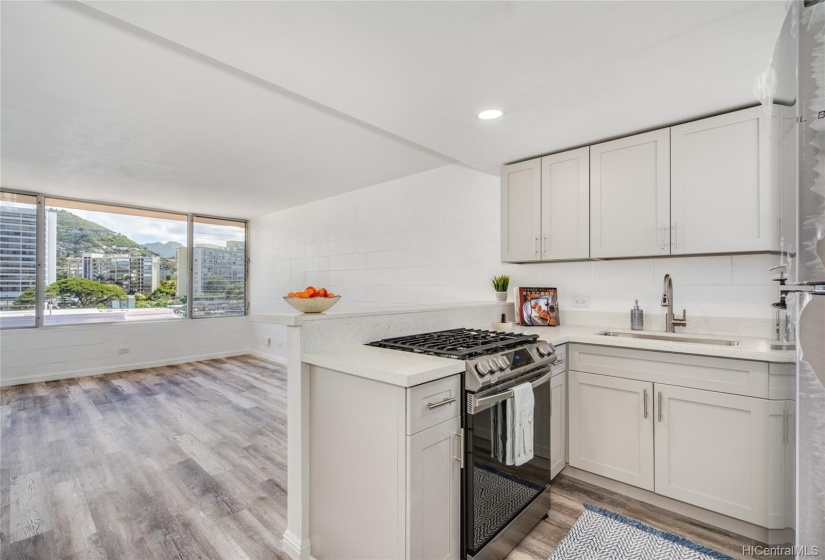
[76,235]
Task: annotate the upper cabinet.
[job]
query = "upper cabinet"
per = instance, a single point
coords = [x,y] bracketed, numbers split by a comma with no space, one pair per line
[724,198]
[544,205]
[521,211]
[565,205]
[630,196]
[704,187]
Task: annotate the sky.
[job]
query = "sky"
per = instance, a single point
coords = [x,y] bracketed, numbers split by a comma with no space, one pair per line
[142,230]
[152,230]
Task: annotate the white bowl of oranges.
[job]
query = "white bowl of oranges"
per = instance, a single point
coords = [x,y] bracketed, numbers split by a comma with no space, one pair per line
[312,300]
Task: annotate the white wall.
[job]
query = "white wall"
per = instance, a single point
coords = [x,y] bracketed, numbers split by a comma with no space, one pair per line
[434,237]
[29,355]
[412,240]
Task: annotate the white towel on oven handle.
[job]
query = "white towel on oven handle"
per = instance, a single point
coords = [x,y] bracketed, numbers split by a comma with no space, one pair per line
[520,442]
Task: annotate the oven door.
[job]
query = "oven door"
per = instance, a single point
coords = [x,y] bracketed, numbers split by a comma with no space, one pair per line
[502,503]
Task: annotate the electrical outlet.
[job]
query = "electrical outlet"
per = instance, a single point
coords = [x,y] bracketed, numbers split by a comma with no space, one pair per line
[123,350]
[267,341]
[581,301]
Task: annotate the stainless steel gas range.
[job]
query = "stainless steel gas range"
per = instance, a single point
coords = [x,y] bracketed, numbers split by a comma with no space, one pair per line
[500,503]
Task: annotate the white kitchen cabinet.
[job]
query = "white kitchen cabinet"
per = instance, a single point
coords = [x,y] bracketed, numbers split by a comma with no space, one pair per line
[545,208]
[558,424]
[565,205]
[406,504]
[724,196]
[630,196]
[434,491]
[611,427]
[521,211]
[790,465]
[712,451]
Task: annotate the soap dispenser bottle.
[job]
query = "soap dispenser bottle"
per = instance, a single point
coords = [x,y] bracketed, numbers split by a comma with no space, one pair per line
[637,318]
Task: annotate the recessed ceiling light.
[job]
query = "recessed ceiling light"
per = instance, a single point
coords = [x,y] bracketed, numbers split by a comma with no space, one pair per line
[489,114]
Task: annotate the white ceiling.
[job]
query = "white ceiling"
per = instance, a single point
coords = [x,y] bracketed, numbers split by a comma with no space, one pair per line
[249,107]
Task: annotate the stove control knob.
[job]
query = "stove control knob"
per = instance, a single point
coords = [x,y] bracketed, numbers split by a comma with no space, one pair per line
[503,363]
[483,368]
[544,350]
[494,365]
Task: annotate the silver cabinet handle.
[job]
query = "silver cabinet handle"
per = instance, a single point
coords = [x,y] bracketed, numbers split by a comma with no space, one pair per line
[460,457]
[559,362]
[537,245]
[785,426]
[660,406]
[645,398]
[663,236]
[544,246]
[447,400]
[676,235]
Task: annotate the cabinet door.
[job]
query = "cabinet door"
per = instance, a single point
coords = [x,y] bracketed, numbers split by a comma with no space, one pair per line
[521,211]
[630,196]
[777,464]
[724,194]
[434,492]
[790,465]
[565,205]
[611,427]
[558,424]
[712,451]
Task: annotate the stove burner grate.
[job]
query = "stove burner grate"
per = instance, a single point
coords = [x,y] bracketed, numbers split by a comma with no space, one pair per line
[457,343]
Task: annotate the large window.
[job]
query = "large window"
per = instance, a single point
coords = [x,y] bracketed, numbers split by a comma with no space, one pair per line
[218,267]
[112,263]
[107,263]
[18,259]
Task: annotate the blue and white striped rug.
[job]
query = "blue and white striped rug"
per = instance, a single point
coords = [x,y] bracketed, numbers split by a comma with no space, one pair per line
[603,535]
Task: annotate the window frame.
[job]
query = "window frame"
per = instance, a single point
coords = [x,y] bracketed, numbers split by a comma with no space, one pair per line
[40,255]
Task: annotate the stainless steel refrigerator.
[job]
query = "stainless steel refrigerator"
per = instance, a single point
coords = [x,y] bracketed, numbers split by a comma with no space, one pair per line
[793,90]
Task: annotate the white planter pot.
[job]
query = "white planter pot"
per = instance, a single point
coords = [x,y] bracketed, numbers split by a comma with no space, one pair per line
[501,296]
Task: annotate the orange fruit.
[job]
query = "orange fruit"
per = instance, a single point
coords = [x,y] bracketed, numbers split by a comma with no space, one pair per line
[291,294]
[330,294]
[322,292]
[303,295]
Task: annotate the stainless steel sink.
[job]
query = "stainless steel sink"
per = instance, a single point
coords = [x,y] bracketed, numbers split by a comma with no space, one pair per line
[671,338]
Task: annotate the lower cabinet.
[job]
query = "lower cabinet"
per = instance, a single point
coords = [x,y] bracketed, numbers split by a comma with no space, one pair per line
[611,427]
[434,492]
[712,451]
[384,468]
[558,424]
[728,453]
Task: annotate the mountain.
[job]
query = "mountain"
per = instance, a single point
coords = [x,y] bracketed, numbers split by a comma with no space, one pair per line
[76,235]
[168,249]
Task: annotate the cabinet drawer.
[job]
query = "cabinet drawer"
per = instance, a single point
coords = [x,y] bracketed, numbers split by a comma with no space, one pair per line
[432,403]
[724,375]
[561,364]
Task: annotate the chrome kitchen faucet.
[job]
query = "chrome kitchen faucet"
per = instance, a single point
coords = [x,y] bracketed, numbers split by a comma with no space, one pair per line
[671,322]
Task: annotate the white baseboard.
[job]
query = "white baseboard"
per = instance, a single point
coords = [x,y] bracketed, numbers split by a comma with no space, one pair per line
[280,360]
[295,548]
[22,380]
[737,526]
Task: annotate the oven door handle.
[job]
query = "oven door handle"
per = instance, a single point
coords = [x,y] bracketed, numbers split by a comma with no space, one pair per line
[485,402]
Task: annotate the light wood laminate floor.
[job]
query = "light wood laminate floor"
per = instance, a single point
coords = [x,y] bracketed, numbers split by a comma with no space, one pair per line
[189,462]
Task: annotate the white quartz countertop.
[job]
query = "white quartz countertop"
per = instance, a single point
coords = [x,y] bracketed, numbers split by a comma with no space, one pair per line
[407,369]
[290,318]
[757,349]
[388,366]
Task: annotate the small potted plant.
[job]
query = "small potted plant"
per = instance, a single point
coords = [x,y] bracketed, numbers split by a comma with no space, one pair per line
[500,285]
